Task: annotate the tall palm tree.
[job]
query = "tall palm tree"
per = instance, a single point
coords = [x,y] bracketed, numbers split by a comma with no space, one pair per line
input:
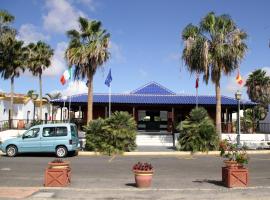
[52,96]
[6,32]
[87,51]
[13,61]
[39,59]
[258,87]
[5,20]
[214,47]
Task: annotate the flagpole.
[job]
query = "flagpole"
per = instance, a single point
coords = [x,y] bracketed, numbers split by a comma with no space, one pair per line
[197,97]
[110,91]
[69,109]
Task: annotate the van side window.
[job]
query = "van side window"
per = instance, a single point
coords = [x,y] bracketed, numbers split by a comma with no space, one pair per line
[54,131]
[74,132]
[61,131]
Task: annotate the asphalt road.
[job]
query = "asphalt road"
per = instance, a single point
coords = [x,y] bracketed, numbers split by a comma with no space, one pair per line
[101,177]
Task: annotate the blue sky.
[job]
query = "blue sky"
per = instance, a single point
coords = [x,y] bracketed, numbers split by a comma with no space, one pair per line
[145,40]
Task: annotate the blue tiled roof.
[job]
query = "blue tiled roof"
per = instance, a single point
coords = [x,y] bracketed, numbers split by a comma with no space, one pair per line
[149,94]
[153,88]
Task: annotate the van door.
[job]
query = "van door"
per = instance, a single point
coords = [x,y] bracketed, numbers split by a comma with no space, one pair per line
[53,136]
[31,141]
[74,136]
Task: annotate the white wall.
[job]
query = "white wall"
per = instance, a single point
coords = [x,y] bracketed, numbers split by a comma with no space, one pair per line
[20,110]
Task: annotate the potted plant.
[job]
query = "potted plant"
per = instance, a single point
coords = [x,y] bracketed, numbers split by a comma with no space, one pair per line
[234,174]
[143,174]
[57,174]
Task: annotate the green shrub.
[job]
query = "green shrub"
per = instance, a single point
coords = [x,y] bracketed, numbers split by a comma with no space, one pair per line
[113,135]
[197,132]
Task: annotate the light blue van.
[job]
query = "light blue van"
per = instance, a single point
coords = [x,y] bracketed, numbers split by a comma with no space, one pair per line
[58,138]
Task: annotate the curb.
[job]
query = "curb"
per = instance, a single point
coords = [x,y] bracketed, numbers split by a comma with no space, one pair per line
[173,153]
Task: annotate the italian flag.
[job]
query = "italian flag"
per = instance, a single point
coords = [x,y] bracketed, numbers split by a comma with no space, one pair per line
[66,76]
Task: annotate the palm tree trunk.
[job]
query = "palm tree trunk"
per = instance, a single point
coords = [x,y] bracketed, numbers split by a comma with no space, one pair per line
[218,109]
[90,99]
[11,102]
[40,97]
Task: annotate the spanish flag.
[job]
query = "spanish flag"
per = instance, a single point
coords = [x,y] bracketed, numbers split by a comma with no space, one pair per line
[239,79]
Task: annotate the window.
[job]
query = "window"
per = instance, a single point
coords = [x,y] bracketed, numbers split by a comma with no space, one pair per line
[32,133]
[74,131]
[54,131]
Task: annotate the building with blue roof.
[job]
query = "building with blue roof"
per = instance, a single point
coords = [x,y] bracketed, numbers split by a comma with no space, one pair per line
[154,107]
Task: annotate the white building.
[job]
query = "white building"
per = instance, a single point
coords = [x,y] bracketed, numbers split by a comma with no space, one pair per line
[23,109]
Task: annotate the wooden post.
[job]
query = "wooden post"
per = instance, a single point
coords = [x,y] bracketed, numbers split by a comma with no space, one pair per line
[106,112]
[133,112]
[172,119]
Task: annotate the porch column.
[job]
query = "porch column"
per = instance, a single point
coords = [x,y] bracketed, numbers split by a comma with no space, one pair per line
[106,112]
[172,119]
[227,116]
[61,116]
[133,112]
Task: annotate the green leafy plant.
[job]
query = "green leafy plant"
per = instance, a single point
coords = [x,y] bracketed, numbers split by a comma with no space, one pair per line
[142,167]
[232,152]
[197,132]
[113,135]
[36,122]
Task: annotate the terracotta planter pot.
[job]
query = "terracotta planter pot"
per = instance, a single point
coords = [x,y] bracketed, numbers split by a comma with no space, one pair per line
[235,177]
[232,164]
[57,177]
[143,179]
[63,165]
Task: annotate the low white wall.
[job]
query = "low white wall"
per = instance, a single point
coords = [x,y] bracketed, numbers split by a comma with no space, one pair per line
[4,135]
[247,137]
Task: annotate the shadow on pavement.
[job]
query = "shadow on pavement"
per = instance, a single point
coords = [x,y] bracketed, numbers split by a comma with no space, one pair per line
[214,182]
[38,155]
[131,184]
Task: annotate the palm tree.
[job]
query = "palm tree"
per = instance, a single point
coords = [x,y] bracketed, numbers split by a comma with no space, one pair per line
[6,32]
[13,61]
[87,51]
[258,87]
[5,20]
[214,47]
[52,96]
[39,56]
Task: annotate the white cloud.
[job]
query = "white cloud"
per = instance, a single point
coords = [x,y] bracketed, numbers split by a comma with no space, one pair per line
[116,53]
[75,87]
[58,63]
[29,33]
[61,16]
[267,69]
[233,86]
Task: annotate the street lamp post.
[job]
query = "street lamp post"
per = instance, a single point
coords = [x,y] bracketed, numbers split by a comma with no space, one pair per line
[238,97]
[34,97]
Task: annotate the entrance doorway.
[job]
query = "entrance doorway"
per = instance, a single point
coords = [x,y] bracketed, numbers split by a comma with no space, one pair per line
[152,120]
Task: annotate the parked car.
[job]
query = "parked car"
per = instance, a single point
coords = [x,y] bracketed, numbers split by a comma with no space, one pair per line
[59,138]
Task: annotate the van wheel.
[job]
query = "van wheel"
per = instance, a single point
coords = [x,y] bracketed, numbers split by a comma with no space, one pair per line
[61,151]
[12,151]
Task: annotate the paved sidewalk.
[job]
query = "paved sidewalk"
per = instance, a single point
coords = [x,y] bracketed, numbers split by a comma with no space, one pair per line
[38,193]
[17,192]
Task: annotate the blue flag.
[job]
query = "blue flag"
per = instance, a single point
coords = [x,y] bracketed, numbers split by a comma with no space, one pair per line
[108,79]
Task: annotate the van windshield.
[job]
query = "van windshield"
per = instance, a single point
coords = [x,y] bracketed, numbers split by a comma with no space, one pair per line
[74,131]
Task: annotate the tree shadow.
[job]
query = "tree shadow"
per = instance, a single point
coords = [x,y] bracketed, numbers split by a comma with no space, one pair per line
[214,182]
[131,184]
